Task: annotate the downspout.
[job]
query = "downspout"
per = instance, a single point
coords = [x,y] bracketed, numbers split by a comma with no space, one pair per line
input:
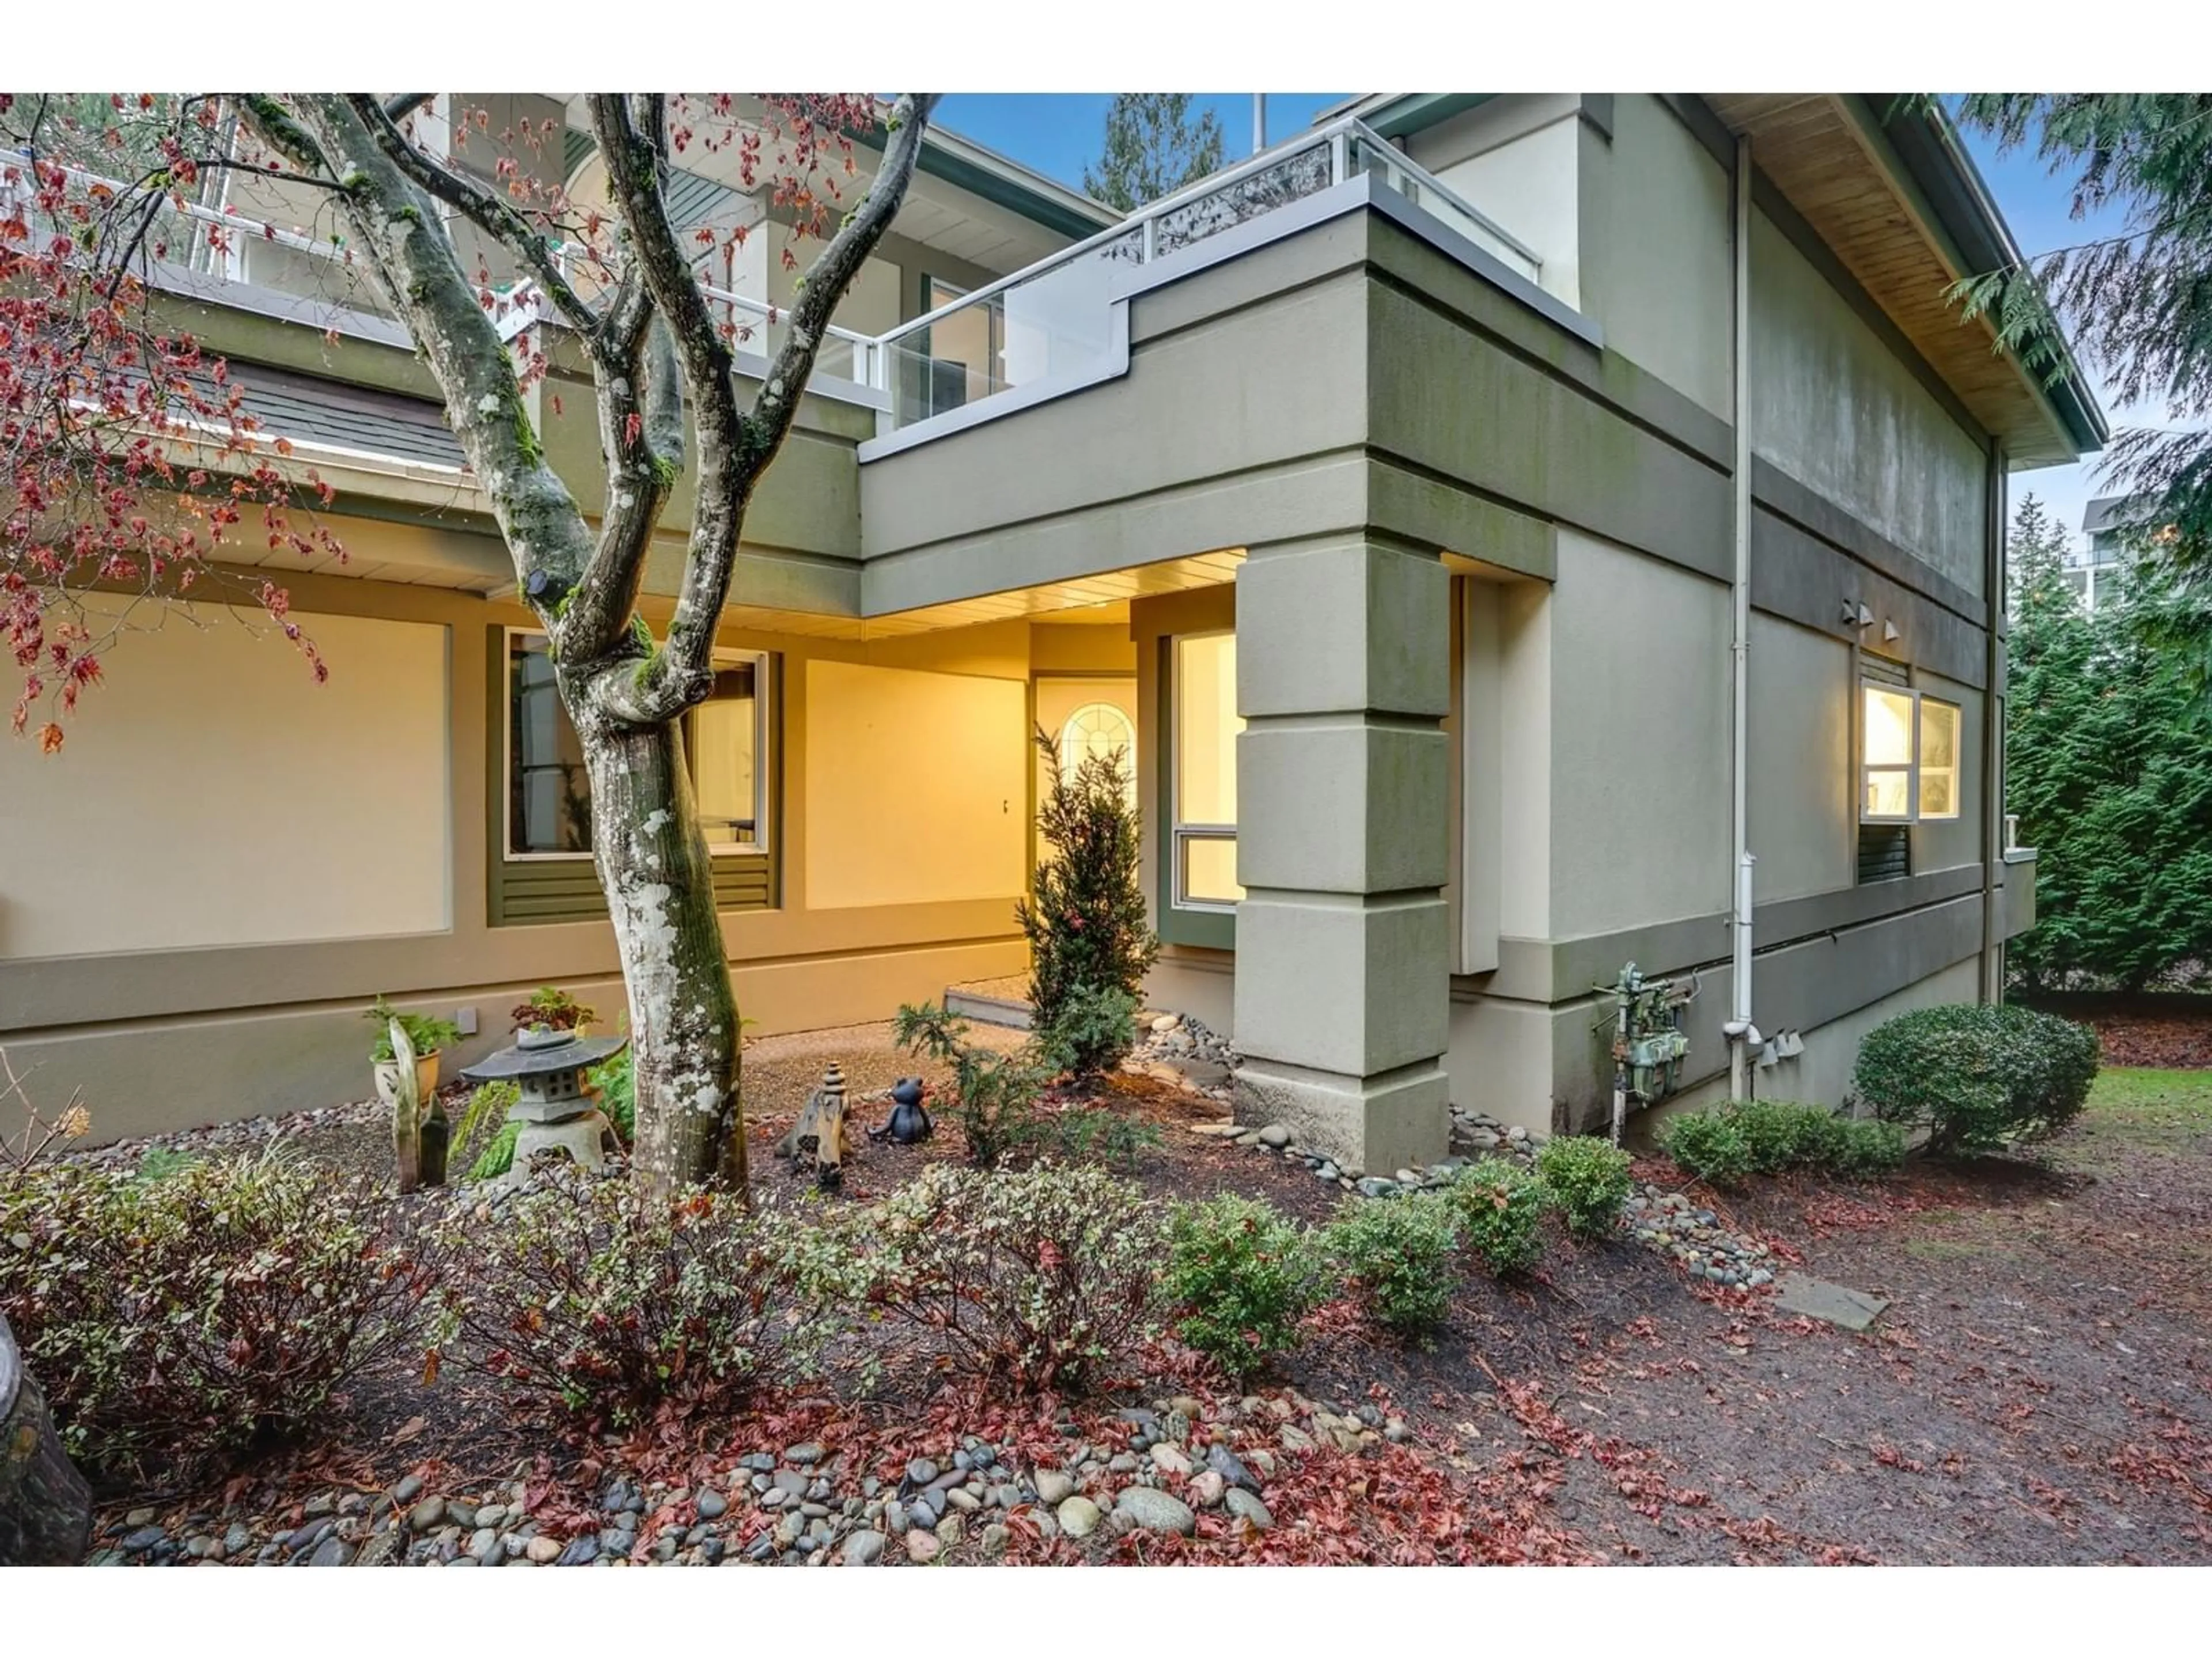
[1741,1032]
[1992,724]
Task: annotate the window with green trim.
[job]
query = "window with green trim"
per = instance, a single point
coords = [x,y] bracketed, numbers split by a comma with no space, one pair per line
[1202,729]
[549,800]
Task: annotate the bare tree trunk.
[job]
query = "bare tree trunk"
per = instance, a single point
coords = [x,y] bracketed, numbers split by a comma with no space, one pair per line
[46,1508]
[653,864]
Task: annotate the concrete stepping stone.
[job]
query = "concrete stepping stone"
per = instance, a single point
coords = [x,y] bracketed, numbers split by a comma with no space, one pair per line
[1837,1304]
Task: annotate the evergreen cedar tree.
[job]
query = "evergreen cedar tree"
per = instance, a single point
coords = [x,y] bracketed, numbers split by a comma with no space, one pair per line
[135,468]
[2138,301]
[2107,766]
[1152,148]
[1085,916]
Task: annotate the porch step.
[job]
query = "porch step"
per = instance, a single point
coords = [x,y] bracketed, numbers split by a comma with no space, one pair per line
[990,1001]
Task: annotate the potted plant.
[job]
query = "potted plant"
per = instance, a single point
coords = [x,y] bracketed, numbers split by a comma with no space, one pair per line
[550,1009]
[426,1035]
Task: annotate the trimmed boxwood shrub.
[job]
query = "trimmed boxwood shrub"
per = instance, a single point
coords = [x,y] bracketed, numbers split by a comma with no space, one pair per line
[1500,1207]
[1710,1146]
[1244,1275]
[1976,1078]
[1587,1177]
[1768,1137]
[1396,1253]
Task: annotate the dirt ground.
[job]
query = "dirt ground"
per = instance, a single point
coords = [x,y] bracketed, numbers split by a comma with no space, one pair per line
[2036,1393]
[2039,1392]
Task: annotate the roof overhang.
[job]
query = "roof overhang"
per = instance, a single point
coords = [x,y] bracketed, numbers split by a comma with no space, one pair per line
[1893,192]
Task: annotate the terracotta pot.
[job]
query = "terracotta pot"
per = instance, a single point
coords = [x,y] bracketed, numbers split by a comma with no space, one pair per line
[426,1078]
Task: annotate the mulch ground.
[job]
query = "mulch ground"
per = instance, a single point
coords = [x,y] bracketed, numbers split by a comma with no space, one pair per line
[2039,1392]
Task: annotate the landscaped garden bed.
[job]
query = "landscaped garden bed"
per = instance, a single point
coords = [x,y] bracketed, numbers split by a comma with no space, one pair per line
[2033,1393]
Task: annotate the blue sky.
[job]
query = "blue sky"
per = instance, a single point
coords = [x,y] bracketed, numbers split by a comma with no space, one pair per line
[1057,133]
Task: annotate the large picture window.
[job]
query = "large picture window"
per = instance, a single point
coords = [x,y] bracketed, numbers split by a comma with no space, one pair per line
[1908,755]
[549,800]
[1203,679]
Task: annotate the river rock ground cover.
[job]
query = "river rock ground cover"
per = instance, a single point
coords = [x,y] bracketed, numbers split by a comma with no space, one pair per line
[2036,1393]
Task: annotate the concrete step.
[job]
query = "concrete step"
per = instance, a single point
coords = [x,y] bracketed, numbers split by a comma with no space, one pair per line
[1011,1011]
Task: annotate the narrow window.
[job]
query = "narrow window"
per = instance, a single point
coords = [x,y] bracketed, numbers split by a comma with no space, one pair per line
[1204,842]
[1939,759]
[548,812]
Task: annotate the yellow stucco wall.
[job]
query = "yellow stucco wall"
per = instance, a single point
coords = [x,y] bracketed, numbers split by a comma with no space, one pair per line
[214,795]
[916,786]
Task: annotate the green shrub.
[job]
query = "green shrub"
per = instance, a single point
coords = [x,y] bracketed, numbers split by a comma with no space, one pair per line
[1587,1178]
[1769,1137]
[1711,1147]
[1043,1281]
[178,1323]
[995,1094]
[1396,1253]
[480,1126]
[1244,1275]
[1786,1134]
[1085,916]
[1091,1031]
[498,1155]
[1976,1078]
[1864,1148]
[1501,1207]
[426,1035]
[595,1297]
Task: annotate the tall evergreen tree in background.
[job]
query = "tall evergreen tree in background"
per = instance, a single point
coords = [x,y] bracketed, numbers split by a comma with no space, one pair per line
[2139,303]
[1153,148]
[2110,780]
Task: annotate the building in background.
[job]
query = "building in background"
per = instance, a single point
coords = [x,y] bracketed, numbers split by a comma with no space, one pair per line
[2113,524]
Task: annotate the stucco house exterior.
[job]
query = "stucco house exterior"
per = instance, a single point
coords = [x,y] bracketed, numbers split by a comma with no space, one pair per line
[1489,519]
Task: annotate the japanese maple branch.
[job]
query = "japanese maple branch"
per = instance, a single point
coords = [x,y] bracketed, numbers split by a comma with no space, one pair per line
[733,447]
[483,209]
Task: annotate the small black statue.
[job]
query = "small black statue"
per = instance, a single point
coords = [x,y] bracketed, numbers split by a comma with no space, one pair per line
[908,1122]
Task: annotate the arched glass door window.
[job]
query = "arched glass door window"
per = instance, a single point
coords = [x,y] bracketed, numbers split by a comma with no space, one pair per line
[1100,728]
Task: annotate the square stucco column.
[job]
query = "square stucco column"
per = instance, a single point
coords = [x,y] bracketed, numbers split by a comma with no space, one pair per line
[1343,777]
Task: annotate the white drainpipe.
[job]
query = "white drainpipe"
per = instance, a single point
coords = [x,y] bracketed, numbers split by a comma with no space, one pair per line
[1742,1035]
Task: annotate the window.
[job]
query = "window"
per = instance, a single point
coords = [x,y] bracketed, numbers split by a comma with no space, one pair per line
[961,354]
[548,807]
[1101,729]
[725,743]
[1939,759]
[1908,755]
[1206,724]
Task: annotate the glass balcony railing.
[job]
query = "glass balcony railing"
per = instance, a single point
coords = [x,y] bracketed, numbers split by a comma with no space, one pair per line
[1053,322]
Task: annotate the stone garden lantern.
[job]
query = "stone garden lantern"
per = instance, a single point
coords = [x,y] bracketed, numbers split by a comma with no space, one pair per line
[548,1068]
